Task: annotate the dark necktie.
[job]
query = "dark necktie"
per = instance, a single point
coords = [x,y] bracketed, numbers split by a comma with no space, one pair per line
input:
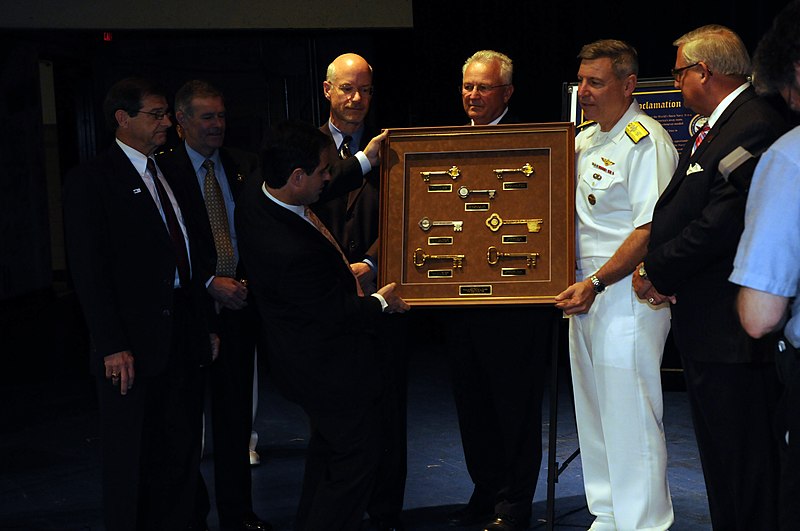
[325,232]
[173,227]
[218,217]
[344,147]
[700,136]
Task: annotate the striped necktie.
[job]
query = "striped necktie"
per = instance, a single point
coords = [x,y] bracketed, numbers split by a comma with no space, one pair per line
[325,232]
[700,136]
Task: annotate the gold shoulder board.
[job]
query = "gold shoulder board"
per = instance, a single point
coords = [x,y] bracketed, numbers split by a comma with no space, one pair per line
[636,131]
[585,124]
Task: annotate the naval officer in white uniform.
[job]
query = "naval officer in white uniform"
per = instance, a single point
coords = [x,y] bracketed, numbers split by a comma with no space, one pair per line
[624,161]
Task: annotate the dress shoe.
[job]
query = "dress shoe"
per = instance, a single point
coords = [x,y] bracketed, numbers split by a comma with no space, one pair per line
[249,524]
[504,522]
[468,515]
[386,524]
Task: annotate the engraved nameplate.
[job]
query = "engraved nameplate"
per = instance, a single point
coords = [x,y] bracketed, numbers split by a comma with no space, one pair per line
[513,272]
[515,186]
[476,207]
[440,240]
[515,238]
[468,291]
[440,273]
[440,188]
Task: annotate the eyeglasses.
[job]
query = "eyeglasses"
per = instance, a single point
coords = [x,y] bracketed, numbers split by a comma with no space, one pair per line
[678,72]
[158,115]
[350,90]
[482,89]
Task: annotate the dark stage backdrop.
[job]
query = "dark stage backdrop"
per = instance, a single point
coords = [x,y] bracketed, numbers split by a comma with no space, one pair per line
[271,74]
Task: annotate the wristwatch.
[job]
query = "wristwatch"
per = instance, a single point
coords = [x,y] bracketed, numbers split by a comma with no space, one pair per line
[642,272]
[597,284]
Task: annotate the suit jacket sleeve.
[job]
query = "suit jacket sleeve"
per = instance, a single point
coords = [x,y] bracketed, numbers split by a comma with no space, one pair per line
[89,253]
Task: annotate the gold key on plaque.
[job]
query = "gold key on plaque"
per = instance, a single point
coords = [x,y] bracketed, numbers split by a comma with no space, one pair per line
[426,224]
[464,192]
[453,172]
[526,170]
[493,256]
[420,258]
[494,222]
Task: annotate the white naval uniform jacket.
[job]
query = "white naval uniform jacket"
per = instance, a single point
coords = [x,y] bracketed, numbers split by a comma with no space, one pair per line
[610,202]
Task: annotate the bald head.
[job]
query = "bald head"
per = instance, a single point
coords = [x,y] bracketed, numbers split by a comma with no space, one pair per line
[348,86]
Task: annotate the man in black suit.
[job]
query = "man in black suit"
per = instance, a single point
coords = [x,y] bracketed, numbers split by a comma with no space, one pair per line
[353,219]
[322,333]
[213,177]
[132,259]
[497,357]
[730,378]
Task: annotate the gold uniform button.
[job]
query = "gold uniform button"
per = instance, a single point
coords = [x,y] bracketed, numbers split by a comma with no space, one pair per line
[592,199]
[597,176]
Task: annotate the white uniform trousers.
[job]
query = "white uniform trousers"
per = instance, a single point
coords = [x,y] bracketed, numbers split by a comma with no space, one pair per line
[615,354]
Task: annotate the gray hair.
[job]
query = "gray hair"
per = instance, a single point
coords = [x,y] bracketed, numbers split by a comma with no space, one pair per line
[624,59]
[196,88]
[489,56]
[718,47]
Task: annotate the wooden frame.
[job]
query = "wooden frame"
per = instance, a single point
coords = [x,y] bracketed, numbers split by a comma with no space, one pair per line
[489,179]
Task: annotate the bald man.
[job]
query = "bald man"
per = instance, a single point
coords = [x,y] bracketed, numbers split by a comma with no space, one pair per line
[353,220]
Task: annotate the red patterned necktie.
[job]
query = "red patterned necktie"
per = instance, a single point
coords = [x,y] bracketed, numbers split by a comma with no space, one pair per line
[325,232]
[173,227]
[218,217]
[700,136]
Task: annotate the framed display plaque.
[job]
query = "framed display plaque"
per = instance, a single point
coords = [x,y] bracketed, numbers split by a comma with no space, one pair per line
[476,215]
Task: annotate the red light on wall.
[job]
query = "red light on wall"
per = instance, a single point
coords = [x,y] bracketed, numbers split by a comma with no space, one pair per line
[107,37]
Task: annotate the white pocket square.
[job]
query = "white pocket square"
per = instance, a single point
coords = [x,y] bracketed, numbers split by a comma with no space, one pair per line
[694,168]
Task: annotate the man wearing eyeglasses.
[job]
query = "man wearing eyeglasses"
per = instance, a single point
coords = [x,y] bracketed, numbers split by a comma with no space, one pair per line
[697,222]
[132,258]
[498,378]
[352,218]
[487,87]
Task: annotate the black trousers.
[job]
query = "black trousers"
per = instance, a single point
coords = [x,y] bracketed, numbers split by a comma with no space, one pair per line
[787,359]
[386,501]
[733,409]
[497,360]
[230,387]
[151,441]
[342,459]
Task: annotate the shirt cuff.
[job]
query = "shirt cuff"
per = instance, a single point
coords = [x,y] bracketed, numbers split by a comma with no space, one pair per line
[378,296]
[370,263]
[366,167]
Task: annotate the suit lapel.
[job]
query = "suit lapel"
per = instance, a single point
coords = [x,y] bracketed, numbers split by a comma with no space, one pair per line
[233,173]
[688,158]
[130,180]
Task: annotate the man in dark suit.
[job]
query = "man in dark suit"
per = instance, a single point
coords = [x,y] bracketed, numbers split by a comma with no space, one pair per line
[132,259]
[731,382]
[497,358]
[322,333]
[353,219]
[213,177]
